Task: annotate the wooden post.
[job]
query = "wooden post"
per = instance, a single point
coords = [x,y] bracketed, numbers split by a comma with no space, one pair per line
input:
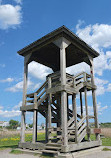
[81,105]
[59,114]
[25,83]
[63,96]
[24,101]
[49,107]
[35,114]
[87,117]
[67,108]
[75,115]
[46,128]
[62,43]
[94,99]
[22,126]
[34,126]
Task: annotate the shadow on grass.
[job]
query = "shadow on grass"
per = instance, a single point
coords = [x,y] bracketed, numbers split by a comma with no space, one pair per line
[8,146]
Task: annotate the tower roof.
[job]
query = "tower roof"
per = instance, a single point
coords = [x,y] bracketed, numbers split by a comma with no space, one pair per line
[45,52]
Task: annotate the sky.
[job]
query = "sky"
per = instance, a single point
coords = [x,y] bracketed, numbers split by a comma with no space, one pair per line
[24,21]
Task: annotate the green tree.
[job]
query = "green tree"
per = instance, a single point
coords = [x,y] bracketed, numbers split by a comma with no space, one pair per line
[31,125]
[13,124]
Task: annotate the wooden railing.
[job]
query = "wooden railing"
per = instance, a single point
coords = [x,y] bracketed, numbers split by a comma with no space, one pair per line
[38,96]
[52,133]
[55,78]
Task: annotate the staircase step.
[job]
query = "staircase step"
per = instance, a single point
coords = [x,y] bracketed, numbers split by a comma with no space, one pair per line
[54,144]
[49,152]
[52,148]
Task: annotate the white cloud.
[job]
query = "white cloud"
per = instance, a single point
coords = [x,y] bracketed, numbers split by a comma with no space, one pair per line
[38,70]
[12,113]
[10,16]
[101,86]
[18,106]
[78,68]
[7,80]
[97,36]
[36,86]
[100,108]
[109,87]
[19,86]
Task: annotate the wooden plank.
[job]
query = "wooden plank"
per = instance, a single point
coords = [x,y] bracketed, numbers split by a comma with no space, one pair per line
[82,135]
[58,136]
[75,115]
[41,94]
[81,121]
[70,121]
[28,108]
[80,130]
[42,99]
[79,146]
[30,95]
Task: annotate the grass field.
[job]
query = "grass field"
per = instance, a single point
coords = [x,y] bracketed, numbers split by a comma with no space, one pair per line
[13,140]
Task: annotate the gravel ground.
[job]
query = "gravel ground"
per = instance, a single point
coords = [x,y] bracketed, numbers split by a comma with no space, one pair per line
[6,154]
[99,154]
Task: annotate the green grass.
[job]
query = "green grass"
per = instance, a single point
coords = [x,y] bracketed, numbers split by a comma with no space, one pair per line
[12,142]
[106,149]
[16,152]
[106,141]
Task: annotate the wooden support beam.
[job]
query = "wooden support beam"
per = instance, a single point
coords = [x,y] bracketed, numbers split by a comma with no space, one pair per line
[49,106]
[24,101]
[34,126]
[62,45]
[75,115]
[25,82]
[81,104]
[22,127]
[68,108]
[87,118]
[94,97]
[46,127]
[64,118]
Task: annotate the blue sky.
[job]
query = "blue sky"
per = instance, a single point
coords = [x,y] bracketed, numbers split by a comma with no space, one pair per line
[24,21]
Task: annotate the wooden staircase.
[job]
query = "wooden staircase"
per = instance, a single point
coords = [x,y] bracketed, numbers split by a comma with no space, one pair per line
[52,148]
[39,101]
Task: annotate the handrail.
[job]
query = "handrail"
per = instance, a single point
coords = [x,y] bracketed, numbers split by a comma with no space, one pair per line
[81,73]
[68,76]
[44,84]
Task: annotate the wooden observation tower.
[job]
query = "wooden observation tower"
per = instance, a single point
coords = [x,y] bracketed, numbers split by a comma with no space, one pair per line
[58,50]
